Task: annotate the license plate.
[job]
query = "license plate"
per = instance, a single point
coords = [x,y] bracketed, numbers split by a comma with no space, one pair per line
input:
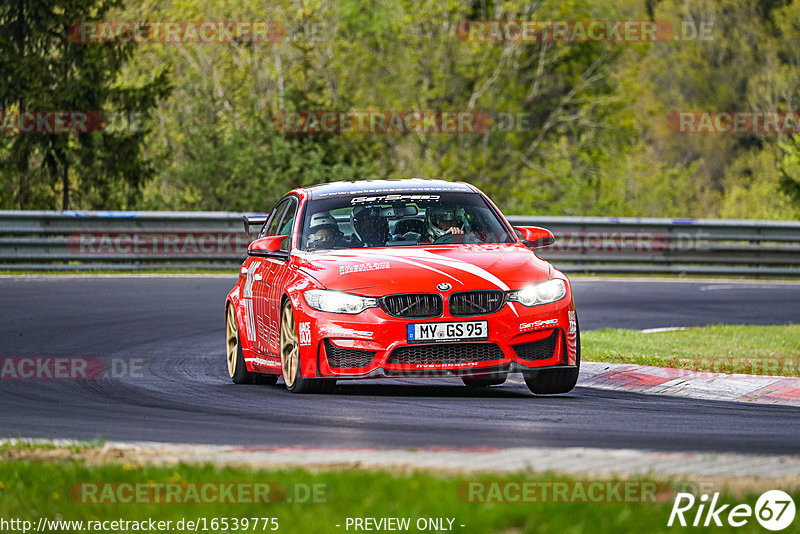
[460,331]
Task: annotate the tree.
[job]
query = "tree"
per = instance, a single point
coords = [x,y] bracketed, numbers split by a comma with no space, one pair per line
[790,171]
[45,70]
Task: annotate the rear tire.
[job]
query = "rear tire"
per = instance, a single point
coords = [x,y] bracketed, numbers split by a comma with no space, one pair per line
[484,380]
[554,381]
[290,359]
[237,369]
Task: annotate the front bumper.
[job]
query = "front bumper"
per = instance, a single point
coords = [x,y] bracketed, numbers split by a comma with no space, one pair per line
[373,344]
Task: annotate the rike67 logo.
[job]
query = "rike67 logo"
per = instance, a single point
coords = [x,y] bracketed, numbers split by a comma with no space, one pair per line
[774,511]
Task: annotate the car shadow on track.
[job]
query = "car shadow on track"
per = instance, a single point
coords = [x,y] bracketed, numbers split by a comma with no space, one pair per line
[445,390]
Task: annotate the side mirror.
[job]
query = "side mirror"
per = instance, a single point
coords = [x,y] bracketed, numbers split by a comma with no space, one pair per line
[250,220]
[267,247]
[535,237]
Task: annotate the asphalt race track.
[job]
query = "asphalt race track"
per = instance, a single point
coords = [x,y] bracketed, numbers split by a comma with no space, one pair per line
[171,330]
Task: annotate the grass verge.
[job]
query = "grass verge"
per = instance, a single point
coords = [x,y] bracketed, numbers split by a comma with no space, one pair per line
[761,350]
[318,502]
[22,445]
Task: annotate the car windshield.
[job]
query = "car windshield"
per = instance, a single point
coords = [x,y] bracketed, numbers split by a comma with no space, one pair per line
[400,219]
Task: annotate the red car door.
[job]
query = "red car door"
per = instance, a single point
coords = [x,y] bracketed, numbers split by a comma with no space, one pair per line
[268,288]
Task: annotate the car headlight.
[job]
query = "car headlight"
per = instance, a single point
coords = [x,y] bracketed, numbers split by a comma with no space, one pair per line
[541,293]
[338,302]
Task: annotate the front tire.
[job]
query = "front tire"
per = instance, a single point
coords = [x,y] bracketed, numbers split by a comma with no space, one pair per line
[237,370]
[554,381]
[290,359]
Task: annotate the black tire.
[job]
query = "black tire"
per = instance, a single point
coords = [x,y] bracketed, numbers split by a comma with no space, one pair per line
[309,385]
[236,366]
[240,375]
[288,346]
[484,380]
[555,381]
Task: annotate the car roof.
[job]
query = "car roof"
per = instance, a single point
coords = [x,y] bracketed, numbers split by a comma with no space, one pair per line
[385,186]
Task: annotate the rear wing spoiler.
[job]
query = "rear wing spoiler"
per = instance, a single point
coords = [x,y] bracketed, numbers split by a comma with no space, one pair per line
[252,220]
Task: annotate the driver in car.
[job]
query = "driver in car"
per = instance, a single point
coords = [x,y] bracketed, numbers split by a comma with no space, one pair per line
[444,220]
[370,227]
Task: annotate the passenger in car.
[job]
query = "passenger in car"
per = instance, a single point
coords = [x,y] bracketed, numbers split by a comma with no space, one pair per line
[324,233]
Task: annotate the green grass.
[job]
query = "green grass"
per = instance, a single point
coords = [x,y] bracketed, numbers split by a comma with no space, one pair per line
[23,444]
[767,350]
[29,490]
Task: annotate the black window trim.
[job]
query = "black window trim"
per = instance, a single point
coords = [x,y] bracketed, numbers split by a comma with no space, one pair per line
[486,202]
[273,214]
[290,235]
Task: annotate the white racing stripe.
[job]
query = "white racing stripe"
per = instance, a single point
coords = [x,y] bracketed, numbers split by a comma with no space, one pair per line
[466,267]
[378,255]
[422,255]
[663,329]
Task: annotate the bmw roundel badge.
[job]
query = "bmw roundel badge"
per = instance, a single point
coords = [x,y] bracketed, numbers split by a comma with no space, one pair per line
[444,286]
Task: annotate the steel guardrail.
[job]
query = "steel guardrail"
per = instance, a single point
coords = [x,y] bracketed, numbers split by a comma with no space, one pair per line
[147,240]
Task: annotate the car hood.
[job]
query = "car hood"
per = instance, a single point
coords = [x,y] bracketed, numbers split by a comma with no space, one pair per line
[421,269]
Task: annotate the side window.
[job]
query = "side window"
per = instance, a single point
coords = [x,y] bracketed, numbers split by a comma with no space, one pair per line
[286,224]
[271,227]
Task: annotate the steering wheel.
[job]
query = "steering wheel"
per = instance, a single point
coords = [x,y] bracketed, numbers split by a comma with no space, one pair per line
[466,238]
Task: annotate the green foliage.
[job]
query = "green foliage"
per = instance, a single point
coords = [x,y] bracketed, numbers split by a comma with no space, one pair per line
[44,70]
[594,139]
[749,61]
[790,170]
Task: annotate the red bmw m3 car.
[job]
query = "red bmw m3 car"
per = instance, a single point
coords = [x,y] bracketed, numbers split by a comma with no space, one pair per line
[399,278]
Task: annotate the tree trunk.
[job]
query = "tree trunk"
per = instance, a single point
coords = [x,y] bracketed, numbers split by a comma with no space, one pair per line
[65,183]
[22,189]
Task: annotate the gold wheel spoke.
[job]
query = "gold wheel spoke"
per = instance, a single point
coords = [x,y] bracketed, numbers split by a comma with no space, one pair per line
[295,361]
[293,358]
[232,341]
[290,351]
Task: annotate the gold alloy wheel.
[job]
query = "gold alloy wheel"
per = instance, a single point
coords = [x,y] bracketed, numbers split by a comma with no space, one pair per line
[232,340]
[290,351]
